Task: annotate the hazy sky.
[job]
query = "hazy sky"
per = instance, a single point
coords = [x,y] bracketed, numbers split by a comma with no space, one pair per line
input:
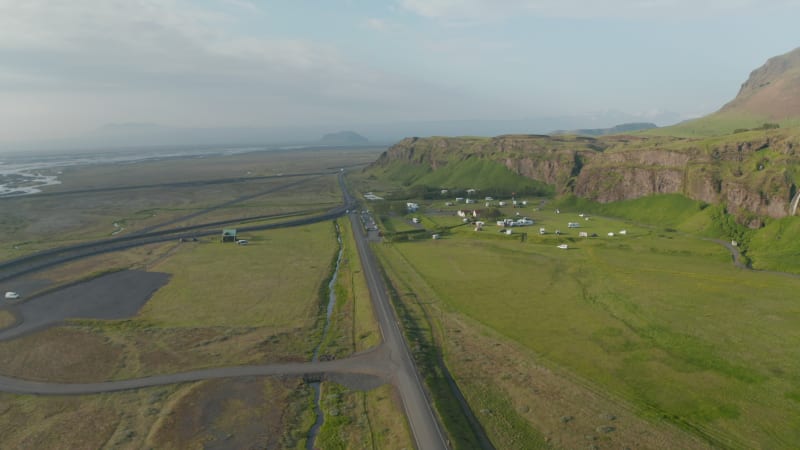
[70,66]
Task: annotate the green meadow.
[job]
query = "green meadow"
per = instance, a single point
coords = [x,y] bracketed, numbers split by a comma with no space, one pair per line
[656,317]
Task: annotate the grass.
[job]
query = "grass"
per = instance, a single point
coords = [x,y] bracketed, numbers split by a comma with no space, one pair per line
[243,413]
[668,210]
[120,420]
[775,247]
[487,176]
[32,223]
[717,124]
[353,325]
[231,413]
[272,282]
[421,335]
[6,319]
[225,305]
[356,419]
[664,322]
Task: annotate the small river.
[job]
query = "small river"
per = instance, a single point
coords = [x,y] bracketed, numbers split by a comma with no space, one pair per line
[312,434]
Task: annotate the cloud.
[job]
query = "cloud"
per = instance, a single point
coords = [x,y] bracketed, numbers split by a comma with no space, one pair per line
[493,9]
[191,65]
[373,23]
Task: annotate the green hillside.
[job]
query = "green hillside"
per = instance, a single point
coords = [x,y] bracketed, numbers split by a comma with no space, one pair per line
[488,177]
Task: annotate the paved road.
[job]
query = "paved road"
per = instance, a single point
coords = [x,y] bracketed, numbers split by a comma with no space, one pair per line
[424,425]
[390,361]
[368,363]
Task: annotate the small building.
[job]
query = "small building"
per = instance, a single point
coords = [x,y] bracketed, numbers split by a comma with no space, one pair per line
[435,237]
[229,235]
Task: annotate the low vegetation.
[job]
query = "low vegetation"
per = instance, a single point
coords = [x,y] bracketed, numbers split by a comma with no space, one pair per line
[225,413]
[663,321]
[490,177]
[353,326]
[6,319]
[356,419]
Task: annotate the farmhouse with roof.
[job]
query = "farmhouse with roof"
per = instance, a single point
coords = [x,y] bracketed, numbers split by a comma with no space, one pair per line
[229,235]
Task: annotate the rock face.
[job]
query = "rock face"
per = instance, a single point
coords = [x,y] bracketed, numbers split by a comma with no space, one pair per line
[753,176]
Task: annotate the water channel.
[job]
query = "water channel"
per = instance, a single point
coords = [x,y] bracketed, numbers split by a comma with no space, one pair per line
[312,434]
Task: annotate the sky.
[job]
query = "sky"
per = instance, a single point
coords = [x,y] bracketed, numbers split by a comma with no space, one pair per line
[68,67]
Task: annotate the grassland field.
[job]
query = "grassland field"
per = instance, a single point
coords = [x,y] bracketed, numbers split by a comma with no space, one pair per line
[659,319]
[39,223]
[225,305]
[232,413]
[6,319]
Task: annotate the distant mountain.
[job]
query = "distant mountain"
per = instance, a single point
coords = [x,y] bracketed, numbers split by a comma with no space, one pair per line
[772,91]
[344,138]
[618,129]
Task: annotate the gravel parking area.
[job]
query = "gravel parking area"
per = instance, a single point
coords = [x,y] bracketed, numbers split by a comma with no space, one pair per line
[119,295]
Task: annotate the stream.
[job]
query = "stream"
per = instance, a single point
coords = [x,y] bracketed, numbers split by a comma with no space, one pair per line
[312,434]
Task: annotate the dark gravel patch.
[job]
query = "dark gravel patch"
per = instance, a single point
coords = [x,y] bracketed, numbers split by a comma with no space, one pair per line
[119,295]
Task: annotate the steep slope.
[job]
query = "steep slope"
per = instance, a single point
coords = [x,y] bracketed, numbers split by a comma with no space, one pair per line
[771,95]
[772,91]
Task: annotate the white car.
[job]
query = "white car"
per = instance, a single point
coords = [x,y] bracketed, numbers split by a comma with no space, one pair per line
[11,295]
